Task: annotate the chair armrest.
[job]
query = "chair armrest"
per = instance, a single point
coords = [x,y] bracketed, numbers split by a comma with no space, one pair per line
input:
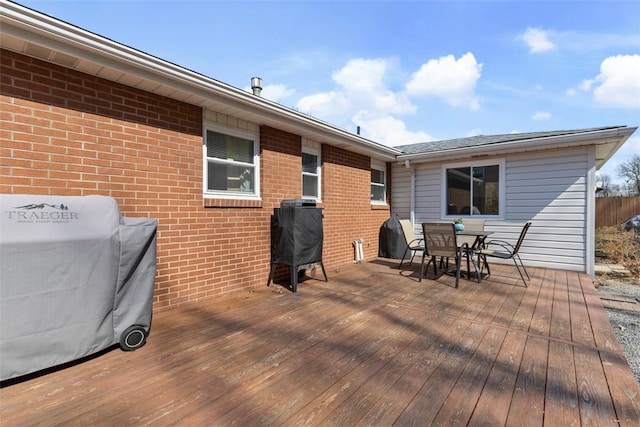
[503,244]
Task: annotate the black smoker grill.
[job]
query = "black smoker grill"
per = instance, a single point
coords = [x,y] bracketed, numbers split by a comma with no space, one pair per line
[296,238]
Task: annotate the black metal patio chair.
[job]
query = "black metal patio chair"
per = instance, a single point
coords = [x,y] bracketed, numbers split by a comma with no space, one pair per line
[504,250]
[440,241]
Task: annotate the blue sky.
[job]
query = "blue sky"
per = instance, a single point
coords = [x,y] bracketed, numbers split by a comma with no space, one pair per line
[404,71]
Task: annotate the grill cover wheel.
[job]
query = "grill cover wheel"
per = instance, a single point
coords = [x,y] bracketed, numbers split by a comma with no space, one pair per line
[133,338]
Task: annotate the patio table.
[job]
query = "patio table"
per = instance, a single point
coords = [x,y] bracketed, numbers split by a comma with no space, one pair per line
[475,240]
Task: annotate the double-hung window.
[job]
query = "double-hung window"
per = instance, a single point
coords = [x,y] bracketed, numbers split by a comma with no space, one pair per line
[378,183]
[474,189]
[311,173]
[231,164]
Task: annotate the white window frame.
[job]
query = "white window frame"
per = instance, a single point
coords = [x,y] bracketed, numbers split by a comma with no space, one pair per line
[501,193]
[382,167]
[231,195]
[308,149]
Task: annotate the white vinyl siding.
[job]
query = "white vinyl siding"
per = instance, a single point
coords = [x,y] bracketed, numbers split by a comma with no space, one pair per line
[401,191]
[428,193]
[548,188]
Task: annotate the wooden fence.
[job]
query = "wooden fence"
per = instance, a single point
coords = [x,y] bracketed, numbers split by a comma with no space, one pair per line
[611,211]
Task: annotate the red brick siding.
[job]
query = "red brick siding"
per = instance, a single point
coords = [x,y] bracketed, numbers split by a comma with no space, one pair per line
[281,166]
[68,133]
[348,214]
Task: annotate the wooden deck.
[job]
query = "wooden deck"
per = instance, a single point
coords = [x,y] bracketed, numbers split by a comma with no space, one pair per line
[371,347]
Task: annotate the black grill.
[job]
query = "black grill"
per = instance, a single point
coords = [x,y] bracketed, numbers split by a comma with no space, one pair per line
[298,203]
[296,237]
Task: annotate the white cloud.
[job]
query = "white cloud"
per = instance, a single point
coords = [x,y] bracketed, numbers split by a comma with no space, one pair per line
[586,84]
[540,41]
[541,115]
[537,40]
[361,85]
[364,82]
[618,84]
[363,95]
[277,92]
[387,130]
[452,80]
[324,104]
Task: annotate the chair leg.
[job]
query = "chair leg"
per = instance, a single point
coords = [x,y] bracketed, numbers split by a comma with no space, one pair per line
[468,266]
[476,266]
[458,265]
[522,265]
[403,256]
[444,263]
[424,267]
[519,271]
[482,261]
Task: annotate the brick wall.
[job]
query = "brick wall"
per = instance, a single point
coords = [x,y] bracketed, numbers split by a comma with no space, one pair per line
[281,166]
[68,133]
[348,213]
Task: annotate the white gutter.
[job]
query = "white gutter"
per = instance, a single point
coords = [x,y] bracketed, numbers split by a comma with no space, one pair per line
[34,27]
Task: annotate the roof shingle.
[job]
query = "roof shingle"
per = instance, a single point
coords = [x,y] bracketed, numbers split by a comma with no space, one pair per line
[479,140]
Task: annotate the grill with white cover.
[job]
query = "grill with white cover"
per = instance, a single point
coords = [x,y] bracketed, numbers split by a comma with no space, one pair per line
[75,277]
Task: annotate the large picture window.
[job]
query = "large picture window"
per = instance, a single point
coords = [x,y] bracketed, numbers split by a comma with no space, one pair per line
[473,190]
[231,167]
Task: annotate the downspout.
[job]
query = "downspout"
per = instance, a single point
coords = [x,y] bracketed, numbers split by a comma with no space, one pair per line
[590,231]
[412,207]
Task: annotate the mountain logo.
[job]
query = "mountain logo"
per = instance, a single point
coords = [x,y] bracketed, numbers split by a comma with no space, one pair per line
[61,206]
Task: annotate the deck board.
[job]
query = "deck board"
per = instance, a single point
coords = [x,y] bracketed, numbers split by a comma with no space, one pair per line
[460,403]
[425,406]
[372,346]
[528,400]
[561,400]
[390,406]
[493,406]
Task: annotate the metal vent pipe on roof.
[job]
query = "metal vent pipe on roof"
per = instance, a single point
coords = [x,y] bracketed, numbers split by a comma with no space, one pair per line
[256,85]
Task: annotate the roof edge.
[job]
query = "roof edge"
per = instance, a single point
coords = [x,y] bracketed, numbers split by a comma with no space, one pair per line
[606,135]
